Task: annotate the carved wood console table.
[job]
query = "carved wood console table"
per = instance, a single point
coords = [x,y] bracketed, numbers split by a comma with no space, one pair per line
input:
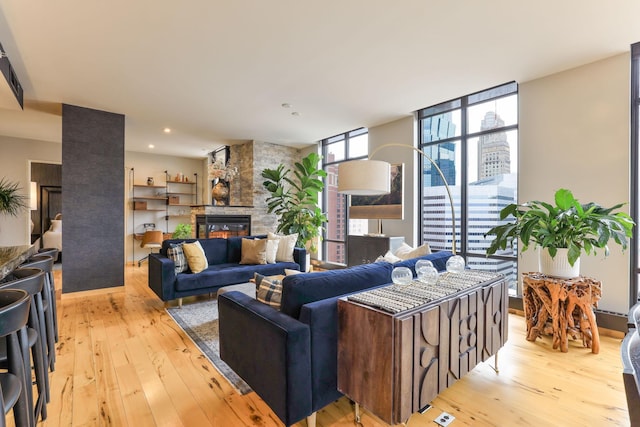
[562,308]
[394,361]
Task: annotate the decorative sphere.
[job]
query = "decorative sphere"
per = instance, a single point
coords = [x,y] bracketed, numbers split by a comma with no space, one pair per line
[455,264]
[422,263]
[426,272]
[401,276]
[429,275]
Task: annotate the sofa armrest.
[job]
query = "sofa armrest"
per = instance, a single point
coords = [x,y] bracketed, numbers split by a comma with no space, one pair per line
[162,276]
[270,351]
[300,256]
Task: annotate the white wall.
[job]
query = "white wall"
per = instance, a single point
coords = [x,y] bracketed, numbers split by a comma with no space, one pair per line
[401,131]
[153,165]
[574,133]
[15,155]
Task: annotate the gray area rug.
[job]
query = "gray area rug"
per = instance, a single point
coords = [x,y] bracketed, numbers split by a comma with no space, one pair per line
[200,321]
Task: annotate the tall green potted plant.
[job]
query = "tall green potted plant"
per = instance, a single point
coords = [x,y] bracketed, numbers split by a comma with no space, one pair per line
[563,231]
[11,200]
[294,200]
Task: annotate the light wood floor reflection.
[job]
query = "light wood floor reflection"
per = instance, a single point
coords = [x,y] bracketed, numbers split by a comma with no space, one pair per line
[123,361]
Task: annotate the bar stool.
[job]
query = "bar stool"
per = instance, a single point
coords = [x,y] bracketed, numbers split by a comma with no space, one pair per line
[16,385]
[53,253]
[31,280]
[45,263]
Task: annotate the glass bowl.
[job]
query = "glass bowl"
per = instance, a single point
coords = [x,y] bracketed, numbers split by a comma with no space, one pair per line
[401,276]
[455,264]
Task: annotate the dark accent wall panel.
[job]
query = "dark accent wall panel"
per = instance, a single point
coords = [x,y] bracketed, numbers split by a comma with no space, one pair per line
[93,199]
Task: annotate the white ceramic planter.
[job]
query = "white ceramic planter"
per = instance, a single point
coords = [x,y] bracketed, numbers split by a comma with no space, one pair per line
[558,266]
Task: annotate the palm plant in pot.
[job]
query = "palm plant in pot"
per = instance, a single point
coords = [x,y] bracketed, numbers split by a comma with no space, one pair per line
[563,231]
[294,200]
[11,200]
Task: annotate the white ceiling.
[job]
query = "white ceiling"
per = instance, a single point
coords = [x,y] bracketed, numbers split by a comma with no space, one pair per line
[217,72]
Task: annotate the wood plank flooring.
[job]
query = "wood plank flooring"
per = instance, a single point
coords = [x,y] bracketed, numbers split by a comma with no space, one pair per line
[122,361]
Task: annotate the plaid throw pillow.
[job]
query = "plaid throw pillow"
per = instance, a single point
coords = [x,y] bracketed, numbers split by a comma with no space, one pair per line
[268,291]
[176,254]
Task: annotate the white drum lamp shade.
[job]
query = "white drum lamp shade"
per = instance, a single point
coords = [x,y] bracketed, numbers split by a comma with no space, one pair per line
[364,177]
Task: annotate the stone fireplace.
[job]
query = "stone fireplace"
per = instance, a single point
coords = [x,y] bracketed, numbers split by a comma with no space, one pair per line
[247,196]
[224,226]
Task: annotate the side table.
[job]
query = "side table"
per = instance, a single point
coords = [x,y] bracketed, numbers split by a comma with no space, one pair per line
[562,308]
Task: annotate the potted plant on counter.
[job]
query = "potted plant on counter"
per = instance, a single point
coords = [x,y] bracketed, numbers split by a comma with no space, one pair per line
[563,231]
[295,199]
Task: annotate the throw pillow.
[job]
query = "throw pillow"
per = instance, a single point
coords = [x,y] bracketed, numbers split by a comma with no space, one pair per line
[56,225]
[253,251]
[176,254]
[289,272]
[269,292]
[407,252]
[388,257]
[272,250]
[285,246]
[195,256]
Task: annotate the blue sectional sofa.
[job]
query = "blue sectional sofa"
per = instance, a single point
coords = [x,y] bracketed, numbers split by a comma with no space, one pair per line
[223,256]
[289,357]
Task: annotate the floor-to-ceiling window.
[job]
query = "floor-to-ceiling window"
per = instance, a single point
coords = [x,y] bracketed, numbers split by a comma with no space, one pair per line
[474,141]
[351,145]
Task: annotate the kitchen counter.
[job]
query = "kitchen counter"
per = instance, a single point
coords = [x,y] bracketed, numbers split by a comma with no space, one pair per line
[12,256]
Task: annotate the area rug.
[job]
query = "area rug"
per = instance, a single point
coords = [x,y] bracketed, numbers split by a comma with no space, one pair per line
[200,321]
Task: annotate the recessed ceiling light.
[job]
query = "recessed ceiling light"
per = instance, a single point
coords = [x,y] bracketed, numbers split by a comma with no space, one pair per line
[286,105]
[152,146]
[295,113]
[167,130]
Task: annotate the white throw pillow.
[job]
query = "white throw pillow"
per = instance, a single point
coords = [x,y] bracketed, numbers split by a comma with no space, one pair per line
[407,252]
[56,225]
[388,257]
[285,246]
[272,250]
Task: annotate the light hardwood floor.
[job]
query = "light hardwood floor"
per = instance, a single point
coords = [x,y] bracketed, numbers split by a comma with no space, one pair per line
[123,361]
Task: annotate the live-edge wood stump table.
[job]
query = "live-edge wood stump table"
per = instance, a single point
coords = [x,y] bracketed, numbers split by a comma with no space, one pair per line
[562,308]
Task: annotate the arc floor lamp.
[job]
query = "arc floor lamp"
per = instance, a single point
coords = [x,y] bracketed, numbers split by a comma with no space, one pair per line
[371,177]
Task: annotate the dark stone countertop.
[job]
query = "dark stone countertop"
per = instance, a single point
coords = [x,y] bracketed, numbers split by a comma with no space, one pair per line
[12,256]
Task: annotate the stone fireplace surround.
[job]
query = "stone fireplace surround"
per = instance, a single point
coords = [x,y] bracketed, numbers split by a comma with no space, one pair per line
[247,195]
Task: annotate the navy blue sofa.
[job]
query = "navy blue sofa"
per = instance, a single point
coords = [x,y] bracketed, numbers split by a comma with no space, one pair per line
[289,357]
[223,256]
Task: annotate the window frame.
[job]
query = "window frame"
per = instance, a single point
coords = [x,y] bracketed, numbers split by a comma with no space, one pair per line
[463,138]
[324,146]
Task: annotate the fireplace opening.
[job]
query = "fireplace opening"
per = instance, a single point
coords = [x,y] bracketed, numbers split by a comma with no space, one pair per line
[222,226]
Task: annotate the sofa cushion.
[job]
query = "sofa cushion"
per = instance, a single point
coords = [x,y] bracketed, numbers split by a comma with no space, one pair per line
[268,290]
[254,251]
[301,289]
[195,257]
[176,254]
[285,246]
[215,250]
[407,252]
[234,246]
[272,250]
[439,260]
[219,275]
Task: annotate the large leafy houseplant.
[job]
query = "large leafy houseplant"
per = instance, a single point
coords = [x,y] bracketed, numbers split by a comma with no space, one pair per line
[11,200]
[182,231]
[294,200]
[580,228]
